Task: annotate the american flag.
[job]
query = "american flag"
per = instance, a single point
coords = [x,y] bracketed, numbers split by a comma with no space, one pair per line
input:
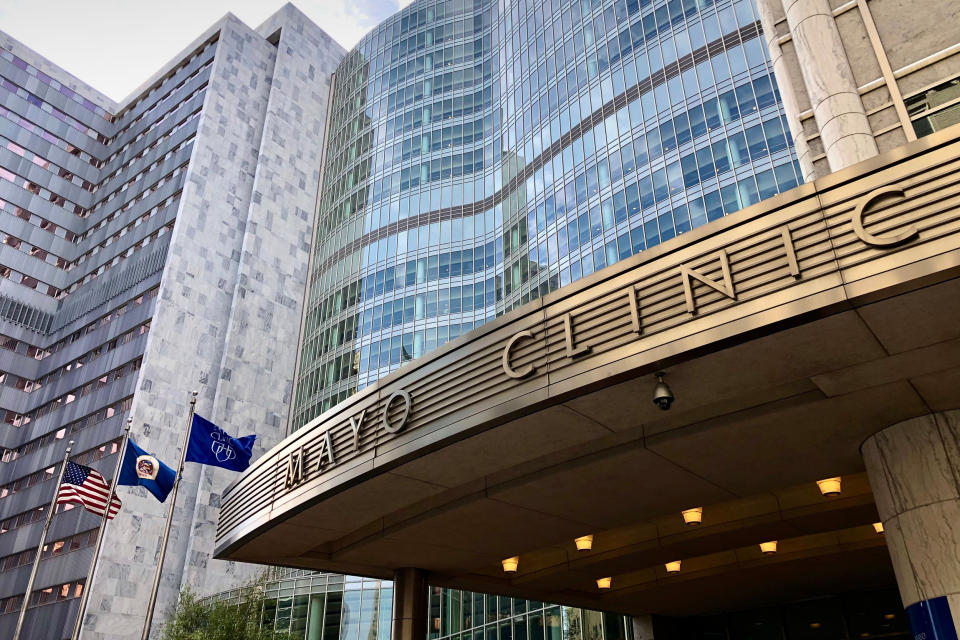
[87,487]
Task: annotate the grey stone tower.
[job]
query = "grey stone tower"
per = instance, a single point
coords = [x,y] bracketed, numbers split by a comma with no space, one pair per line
[149,248]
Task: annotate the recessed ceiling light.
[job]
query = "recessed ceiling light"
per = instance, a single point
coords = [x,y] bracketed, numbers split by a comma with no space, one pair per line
[584,543]
[693,516]
[830,486]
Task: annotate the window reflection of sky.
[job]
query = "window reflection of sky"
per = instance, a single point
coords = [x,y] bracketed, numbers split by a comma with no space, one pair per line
[438,110]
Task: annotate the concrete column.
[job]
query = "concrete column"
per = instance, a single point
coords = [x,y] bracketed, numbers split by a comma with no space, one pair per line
[409,604]
[785,85]
[914,470]
[837,108]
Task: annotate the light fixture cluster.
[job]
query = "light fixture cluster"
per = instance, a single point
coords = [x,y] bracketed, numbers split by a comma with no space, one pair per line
[831,487]
[694,516]
[584,543]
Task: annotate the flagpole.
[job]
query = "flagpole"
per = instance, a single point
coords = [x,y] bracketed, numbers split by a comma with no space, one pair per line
[166,532]
[103,527]
[43,537]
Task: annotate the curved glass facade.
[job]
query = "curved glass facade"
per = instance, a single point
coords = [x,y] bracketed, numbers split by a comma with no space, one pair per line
[481,153]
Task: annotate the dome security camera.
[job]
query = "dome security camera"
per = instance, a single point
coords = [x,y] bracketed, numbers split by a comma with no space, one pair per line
[662,396]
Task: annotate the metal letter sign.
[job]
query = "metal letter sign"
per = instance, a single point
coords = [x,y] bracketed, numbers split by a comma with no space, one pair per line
[355,425]
[394,417]
[522,372]
[294,475]
[727,289]
[395,427]
[573,351]
[326,449]
[877,241]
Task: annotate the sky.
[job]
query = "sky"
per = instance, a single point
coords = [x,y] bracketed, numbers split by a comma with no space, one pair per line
[116,45]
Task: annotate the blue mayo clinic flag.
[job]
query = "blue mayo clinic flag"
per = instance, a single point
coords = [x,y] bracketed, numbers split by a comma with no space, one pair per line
[141,468]
[209,444]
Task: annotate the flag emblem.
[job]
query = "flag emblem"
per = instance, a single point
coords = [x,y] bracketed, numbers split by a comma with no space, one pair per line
[147,467]
[85,486]
[209,444]
[220,445]
[139,468]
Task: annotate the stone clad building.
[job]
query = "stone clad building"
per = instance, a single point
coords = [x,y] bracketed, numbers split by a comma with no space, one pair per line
[864,77]
[149,248]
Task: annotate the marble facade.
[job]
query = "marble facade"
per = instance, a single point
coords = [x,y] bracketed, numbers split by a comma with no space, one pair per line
[860,78]
[914,470]
[230,303]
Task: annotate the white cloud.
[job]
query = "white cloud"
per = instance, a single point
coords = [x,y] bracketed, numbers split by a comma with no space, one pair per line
[115,46]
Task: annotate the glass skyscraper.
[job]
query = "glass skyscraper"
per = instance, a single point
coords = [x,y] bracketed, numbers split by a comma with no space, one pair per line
[482,153]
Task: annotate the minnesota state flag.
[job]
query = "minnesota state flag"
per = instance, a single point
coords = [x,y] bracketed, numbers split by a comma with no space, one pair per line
[141,468]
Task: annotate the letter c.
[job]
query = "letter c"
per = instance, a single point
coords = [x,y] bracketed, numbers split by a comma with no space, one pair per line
[523,372]
[869,238]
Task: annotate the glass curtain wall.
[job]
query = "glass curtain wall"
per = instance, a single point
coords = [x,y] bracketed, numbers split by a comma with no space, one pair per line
[323,606]
[463,615]
[320,606]
[482,153]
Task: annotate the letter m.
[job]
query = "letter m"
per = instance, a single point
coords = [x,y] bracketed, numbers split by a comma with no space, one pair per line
[726,288]
[294,474]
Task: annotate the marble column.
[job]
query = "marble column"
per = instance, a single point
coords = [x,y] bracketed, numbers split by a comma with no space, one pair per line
[787,96]
[914,470]
[409,604]
[844,129]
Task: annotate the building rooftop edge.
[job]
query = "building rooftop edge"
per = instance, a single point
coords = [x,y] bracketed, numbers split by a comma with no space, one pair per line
[56,72]
[177,58]
[60,74]
[271,22]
